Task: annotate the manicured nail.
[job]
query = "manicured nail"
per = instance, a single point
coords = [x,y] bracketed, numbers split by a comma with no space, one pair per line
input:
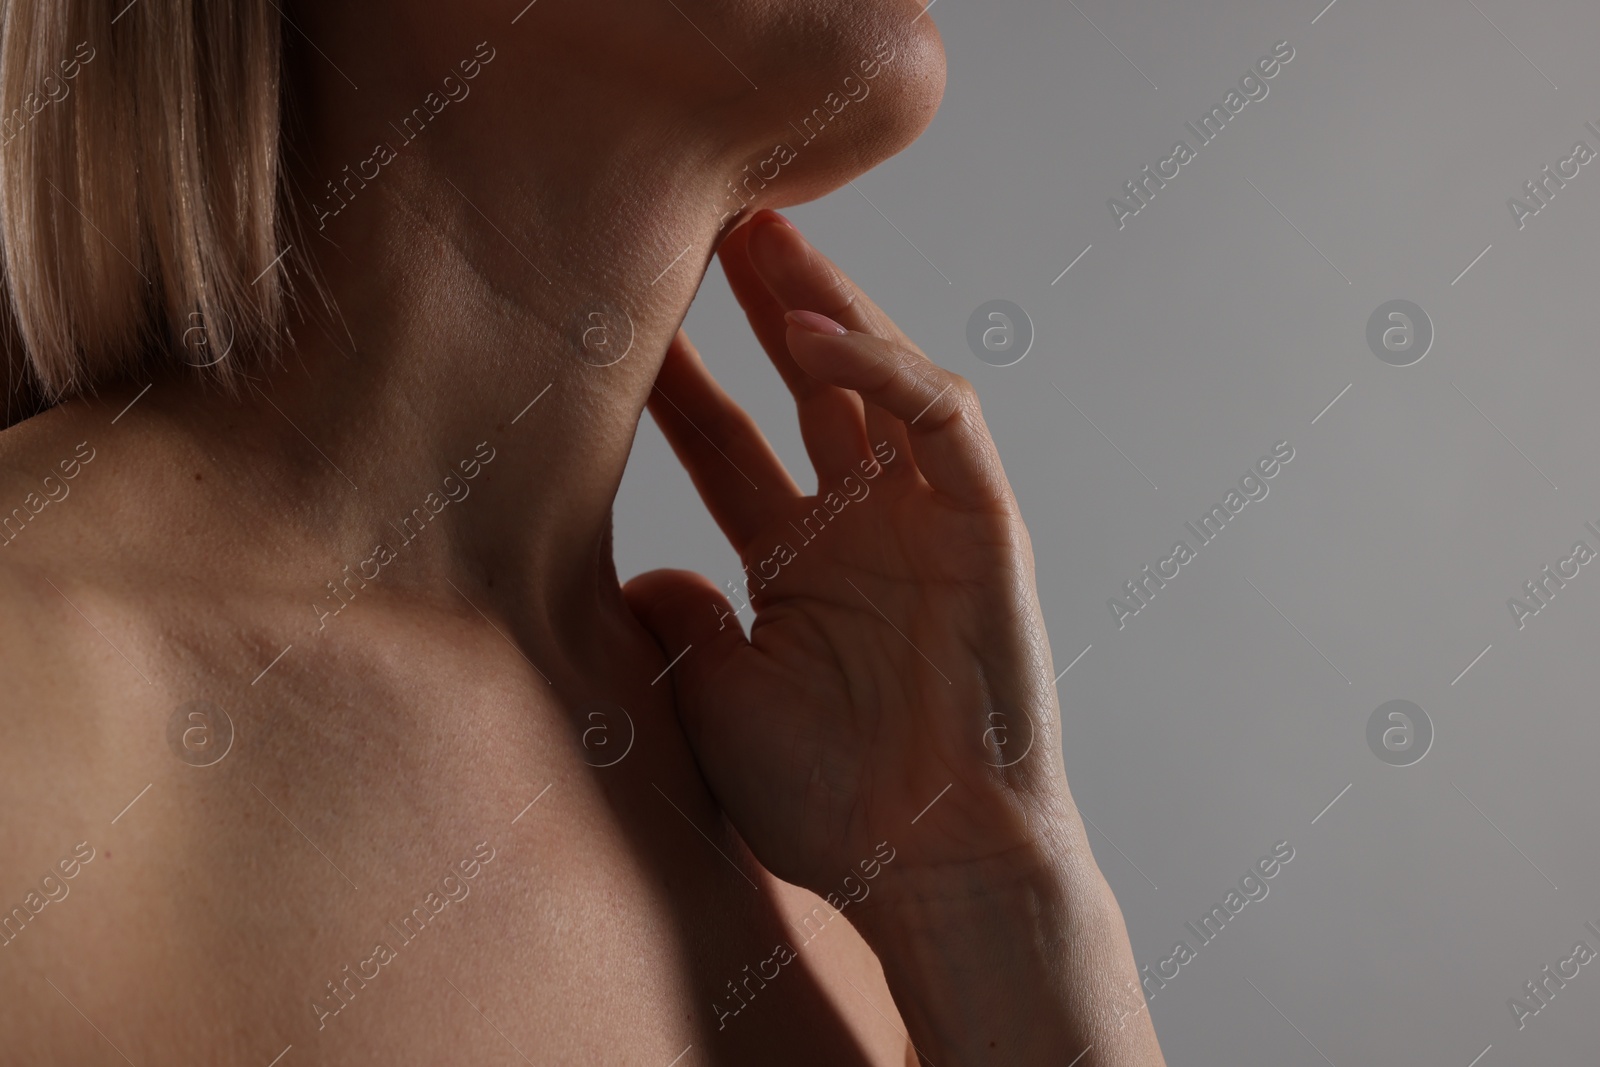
[769,215]
[815,323]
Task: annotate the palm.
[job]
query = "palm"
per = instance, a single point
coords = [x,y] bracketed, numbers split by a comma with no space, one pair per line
[896,657]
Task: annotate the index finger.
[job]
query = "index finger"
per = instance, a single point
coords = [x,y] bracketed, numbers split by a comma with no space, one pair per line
[839,336]
[938,409]
[804,279]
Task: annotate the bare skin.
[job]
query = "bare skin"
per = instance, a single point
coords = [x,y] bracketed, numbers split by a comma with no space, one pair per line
[396,729]
[897,660]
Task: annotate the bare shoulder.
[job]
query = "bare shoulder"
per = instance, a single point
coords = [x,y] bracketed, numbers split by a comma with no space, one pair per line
[44,463]
[80,497]
[85,678]
[41,463]
[52,659]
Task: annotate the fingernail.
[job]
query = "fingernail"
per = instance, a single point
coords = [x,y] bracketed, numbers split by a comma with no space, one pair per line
[815,323]
[773,255]
[766,214]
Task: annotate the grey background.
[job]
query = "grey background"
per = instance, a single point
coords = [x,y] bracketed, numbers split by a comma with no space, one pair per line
[1197,337]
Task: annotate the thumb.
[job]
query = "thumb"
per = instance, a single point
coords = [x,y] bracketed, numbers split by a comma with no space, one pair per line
[693,622]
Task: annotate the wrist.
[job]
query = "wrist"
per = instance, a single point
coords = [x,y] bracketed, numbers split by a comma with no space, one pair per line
[1021,958]
[914,902]
[998,855]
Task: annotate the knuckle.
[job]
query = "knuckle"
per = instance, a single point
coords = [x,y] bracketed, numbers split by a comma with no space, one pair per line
[906,373]
[840,295]
[893,365]
[959,399]
[964,391]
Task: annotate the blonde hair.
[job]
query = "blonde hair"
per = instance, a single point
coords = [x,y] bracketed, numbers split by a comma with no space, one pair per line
[140,182]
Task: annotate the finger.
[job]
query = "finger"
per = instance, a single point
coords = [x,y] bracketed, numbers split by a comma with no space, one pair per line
[692,621]
[884,429]
[831,419]
[939,409]
[802,279]
[737,474]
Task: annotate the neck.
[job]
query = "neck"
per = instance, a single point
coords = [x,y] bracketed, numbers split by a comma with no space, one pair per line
[454,401]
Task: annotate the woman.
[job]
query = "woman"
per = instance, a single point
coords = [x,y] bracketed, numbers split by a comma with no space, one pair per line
[330,734]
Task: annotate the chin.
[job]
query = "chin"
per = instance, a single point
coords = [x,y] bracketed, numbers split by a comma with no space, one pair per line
[875,82]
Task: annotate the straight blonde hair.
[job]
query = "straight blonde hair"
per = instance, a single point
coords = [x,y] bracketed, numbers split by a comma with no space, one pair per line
[140,183]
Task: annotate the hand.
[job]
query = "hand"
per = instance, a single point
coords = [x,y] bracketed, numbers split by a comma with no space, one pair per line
[895,689]
[897,657]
